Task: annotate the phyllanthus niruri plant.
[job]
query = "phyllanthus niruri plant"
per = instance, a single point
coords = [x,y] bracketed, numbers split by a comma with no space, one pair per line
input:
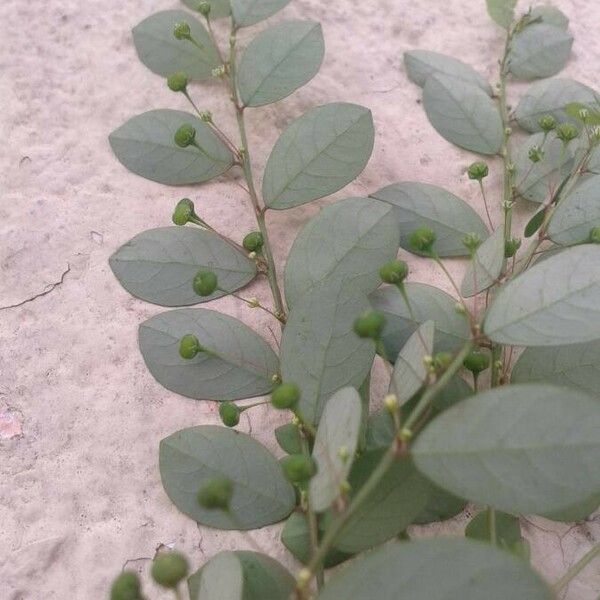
[493,393]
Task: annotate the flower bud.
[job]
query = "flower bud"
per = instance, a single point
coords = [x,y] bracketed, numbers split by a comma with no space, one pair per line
[547,123]
[583,114]
[126,587]
[169,569]
[205,283]
[216,494]
[206,116]
[229,413]
[511,246]
[189,346]
[595,235]
[182,31]
[204,8]
[369,325]
[535,154]
[442,360]
[253,302]
[177,82]
[298,468]
[471,241]
[459,307]
[422,239]
[219,72]
[477,171]
[184,212]
[343,453]
[391,403]
[395,272]
[566,132]
[185,135]
[285,395]
[253,241]
[595,134]
[476,361]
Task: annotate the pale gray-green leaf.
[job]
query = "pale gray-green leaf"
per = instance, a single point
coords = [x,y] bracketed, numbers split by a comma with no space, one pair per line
[159,265]
[279,61]
[264,577]
[502,11]
[577,512]
[218,8]
[463,114]
[441,506]
[192,457]
[508,529]
[525,448]
[550,98]
[423,205]
[249,12]
[319,350]
[420,64]
[318,154]
[335,445]
[144,144]
[549,15]
[555,302]
[539,50]
[347,241]
[238,364]
[163,54]
[436,569]
[486,265]
[221,578]
[427,303]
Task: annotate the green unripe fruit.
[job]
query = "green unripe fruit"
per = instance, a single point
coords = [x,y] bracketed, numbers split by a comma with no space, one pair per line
[369,325]
[511,246]
[422,239]
[205,283]
[254,241]
[185,135]
[471,241]
[189,346]
[177,82]
[298,468]
[535,154]
[204,8]
[395,272]
[442,360]
[595,235]
[230,414]
[285,395]
[566,132]
[169,569]
[477,361]
[184,211]
[477,171]
[216,494]
[182,31]
[547,123]
[126,587]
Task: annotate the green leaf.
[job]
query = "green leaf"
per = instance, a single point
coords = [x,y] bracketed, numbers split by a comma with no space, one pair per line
[218,8]
[410,372]
[463,114]
[534,224]
[319,350]
[485,268]
[289,438]
[577,512]
[279,61]
[264,577]
[576,214]
[389,509]
[159,265]
[424,205]
[508,529]
[502,11]
[238,363]
[318,154]
[550,98]
[441,506]
[436,569]
[250,12]
[550,16]
[420,64]
[347,242]
[526,448]
[539,50]
[191,457]
[335,445]
[554,302]
[163,54]
[145,145]
[427,303]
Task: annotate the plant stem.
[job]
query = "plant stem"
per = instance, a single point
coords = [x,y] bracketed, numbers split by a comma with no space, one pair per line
[575,569]
[485,204]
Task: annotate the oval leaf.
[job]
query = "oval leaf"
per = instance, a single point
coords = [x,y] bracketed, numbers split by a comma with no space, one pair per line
[279,61]
[463,114]
[424,205]
[145,145]
[249,12]
[221,578]
[347,242]
[218,8]
[159,265]
[191,457]
[508,529]
[549,15]
[441,506]
[335,445]
[163,54]
[485,268]
[318,154]
[289,438]
[238,363]
[502,11]
[529,448]
[554,302]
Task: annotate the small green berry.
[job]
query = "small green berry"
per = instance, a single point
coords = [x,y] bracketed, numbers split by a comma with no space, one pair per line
[230,414]
[369,325]
[511,246]
[477,361]
[595,235]
[253,241]
[189,346]
[177,82]
[298,468]
[204,8]
[126,587]
[535,154]
[547,123]
[185,135]
[395,272]
[285,395]
[422,239]
[442,360]
[566,132]
[184,212]
[216,494]
[477,171]
[205,283]
[169,569]
[471,241]
[206,116]
[182,31]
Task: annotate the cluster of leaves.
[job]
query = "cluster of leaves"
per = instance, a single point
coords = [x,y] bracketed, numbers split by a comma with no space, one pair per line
[354,477]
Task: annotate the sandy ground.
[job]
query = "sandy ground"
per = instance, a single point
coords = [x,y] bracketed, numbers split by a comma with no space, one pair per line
[80,417]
